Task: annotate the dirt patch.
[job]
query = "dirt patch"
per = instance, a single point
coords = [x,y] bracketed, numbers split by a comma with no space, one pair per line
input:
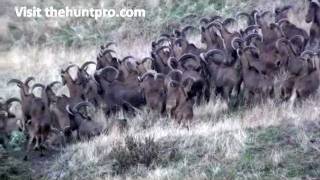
[13,166]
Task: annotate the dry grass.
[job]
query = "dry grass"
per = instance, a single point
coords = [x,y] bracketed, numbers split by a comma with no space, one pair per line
[161,16]
[215,147]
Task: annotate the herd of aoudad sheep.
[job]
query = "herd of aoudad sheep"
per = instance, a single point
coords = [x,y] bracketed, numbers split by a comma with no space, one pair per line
[181,76]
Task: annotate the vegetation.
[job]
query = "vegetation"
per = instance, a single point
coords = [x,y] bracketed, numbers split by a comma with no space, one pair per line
[161,16]
[283,143]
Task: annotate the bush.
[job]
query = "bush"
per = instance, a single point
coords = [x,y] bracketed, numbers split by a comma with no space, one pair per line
[133,153]
[17,140]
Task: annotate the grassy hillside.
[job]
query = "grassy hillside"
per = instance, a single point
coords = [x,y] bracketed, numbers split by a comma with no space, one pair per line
[267,141]
[161,16]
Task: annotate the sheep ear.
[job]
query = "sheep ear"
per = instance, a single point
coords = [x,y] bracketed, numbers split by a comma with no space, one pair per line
[66,129]
[173,84]
[187,82]
[10,115]
[173,64]
[115,61]
[4,113]
[203,29]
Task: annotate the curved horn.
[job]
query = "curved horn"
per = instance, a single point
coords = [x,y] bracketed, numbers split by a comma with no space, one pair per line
[145,59]
[82,104]
[165,35]
[15,81]
[109,44]
[163,39]
[183,59]
[27,81]
[316,2]
[126,58]
[228,21]
[189,16]
[204,20]
[53,83]
[69,110]
[11,100]
[284,20]
[254,12]
[86,64]
[70,66]
[263,14]
[253,35]
[250,28]
[104,52]
[187,56]
[163,47]
[215,18]
[214,52]
[185,29]
[108,68]
[149,72]
[214,24]
[38,85]
[281,40]
[234,40]
[247,15]
[251,48]
[287,7]
[307,52]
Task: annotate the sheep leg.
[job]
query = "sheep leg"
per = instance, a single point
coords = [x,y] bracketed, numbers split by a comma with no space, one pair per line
[199,97]
[246,96]
[41,146]
[218,90]
[28,148]
[78,135]
[293,98]
[227,94]
[36,147]
[207,94]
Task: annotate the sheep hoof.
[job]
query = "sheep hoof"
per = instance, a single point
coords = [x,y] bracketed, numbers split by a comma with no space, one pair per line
[25,158]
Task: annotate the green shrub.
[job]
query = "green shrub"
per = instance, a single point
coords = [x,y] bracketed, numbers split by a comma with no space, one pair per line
[17,139]
[133,153]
